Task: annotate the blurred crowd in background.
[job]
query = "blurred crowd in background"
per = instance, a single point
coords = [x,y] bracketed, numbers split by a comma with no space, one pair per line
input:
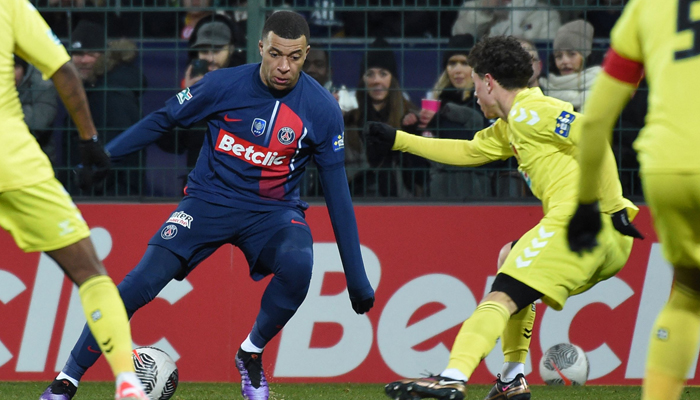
[402,63]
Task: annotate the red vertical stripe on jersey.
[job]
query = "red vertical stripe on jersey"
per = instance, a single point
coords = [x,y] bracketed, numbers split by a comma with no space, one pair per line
[271,183]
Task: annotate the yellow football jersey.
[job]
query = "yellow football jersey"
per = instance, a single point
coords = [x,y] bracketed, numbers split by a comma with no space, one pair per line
[24,32]
[542,133]
[665,36]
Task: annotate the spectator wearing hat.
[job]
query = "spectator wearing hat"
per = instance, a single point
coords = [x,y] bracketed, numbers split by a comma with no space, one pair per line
[379,98]
[530,19]
[113,84]
[214,42]
[571,80]
[213,46]
[39,101]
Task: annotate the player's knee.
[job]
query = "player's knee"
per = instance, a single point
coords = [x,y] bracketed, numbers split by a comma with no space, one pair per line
[143,283]
[295,268]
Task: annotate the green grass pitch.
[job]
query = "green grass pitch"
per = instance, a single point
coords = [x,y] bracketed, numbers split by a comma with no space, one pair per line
[327,391]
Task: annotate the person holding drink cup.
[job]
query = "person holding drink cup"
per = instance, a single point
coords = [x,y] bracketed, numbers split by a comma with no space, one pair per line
[452,113]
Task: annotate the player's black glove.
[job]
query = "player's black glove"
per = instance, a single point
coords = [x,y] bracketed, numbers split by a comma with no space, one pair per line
[362,306]
[622,223]
[95,164]
[380,139]
[584,227]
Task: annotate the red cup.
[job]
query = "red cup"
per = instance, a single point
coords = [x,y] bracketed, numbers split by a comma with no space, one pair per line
[432,105]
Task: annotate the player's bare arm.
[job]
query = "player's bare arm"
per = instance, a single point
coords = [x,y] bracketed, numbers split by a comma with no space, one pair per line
[70,88]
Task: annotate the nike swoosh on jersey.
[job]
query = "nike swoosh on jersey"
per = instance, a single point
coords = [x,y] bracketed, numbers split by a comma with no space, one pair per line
[298,222]
[90,349]
[227,119]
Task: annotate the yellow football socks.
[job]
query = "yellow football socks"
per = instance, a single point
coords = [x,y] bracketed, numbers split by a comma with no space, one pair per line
[106,317]
[672,347]
[478,336]
[517,335]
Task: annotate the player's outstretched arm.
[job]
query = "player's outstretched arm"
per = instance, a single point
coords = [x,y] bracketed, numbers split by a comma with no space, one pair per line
[140,135]
[382,138]
[342,214]
[95,162]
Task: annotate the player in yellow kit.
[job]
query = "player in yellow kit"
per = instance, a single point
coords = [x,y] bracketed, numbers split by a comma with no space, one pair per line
[34,207]
[542,133]
[662,39]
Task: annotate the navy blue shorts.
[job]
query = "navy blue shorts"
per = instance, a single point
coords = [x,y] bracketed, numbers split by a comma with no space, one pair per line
[197,228]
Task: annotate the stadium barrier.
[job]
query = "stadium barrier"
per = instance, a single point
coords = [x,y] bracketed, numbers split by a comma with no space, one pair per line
[430,266]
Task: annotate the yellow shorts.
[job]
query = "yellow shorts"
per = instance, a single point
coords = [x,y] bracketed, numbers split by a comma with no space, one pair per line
[42,217]
[674,201]
[542,260]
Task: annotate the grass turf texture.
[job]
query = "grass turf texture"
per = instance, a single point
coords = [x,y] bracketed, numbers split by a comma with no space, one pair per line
[331,391]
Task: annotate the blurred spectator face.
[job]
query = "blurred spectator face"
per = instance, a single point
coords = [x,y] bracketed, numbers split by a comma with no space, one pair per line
[85,62]
[536,63]
[316,66]
[19,74]
[485,99]
[568,61]
[377,82]
[282,60]
[459,72]
[218,57]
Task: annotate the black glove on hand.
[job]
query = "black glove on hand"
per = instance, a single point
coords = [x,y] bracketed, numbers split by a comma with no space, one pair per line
[584,227]
[622,223]
[362,306]
[95,163]
[380,139]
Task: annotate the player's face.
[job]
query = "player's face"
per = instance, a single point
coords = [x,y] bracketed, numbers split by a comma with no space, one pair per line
[568,61]
[459,72]
[316,66]
[85,63]
[282,60]
[484,96]
[218,57]
[377,81]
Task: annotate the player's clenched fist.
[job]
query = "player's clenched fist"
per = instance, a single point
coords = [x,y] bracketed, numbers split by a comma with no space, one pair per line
[380,139]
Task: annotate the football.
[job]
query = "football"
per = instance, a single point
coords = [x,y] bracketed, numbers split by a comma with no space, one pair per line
[157,372]
[564,364]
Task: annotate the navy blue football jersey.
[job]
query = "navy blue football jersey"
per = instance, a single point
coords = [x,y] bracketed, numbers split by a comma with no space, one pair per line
[257,144]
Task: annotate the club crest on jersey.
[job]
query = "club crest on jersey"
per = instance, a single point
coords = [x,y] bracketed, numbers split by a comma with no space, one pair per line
[169,232]
[286,135]
[184,95]
[258,127]
[339,142]
[181,218]
[564,121]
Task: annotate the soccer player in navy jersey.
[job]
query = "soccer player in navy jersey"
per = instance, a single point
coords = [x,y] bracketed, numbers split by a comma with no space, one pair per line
[265,122]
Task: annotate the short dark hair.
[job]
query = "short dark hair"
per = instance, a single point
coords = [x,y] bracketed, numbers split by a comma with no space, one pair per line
[505,59]
[287,25]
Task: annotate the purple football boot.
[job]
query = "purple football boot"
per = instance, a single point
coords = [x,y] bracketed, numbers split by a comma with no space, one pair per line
[59,390]
[253,382]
